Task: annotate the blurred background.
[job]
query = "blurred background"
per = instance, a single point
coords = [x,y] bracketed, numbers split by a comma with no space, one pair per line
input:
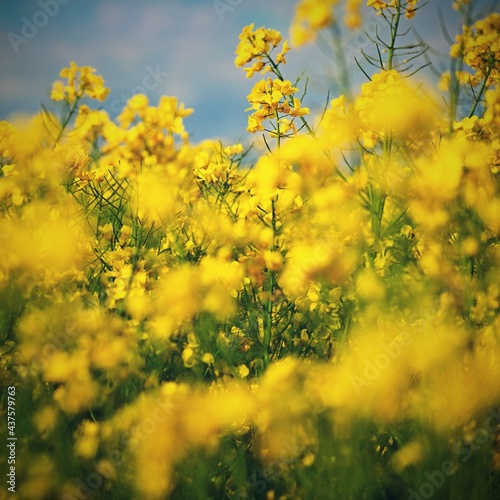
[181,48]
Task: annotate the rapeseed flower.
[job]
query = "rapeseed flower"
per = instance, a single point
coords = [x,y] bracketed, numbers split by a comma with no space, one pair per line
[329,304]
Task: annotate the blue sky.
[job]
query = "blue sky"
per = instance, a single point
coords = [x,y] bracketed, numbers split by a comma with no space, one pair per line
[186,48]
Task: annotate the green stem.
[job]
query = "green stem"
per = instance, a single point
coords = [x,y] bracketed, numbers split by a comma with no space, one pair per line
[455,69]
[454,92]
[274,66]
[268,312]
[394,32]
[345,86]
[268,304]
[477,100]
[345,332]
[278,136]
[277,72]
[66,121]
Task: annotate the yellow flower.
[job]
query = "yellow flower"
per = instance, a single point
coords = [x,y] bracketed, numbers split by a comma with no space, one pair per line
[255,68]
[81,80]
[310,16]
[300,35]
[480,46]
[87,441]
[57,92]
[45,419]
[280,58]
[254,45]
[409,6]
[107,231]
[62,367]
[208,358]
[380,103]
[352,17]
[76,395]
[412,453]
[297,110]
[369,285]
[270,99]
[243,371]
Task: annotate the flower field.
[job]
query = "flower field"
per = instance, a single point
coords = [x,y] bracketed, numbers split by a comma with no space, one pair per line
[312,317]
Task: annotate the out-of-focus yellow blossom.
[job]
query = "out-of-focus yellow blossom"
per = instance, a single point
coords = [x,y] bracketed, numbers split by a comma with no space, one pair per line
[449,393]
[43,238]
[243,371]
[106,469]
[178,417]
[221,281]
[339,125]
[312,15]
[40,479]
[45,419]
[439,177]
[492,112]
[208,358]
[107,231]
[162,193]
[89,124]
[87,441]
[380,103]
[463,78]
[352,17]
[61,367]
[76,395]
[369,285]
[153,464]
[411,454]
[31,161]
[310,157]
[272,176]
[188,356]
[373,365]
[177,299]
[460,3]
[145,133]
[309,260]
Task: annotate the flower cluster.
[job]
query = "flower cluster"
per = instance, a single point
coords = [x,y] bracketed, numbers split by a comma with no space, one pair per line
[409,7]
[257,45]
[312,16]
[480,47]
[80,80]
[274,99]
